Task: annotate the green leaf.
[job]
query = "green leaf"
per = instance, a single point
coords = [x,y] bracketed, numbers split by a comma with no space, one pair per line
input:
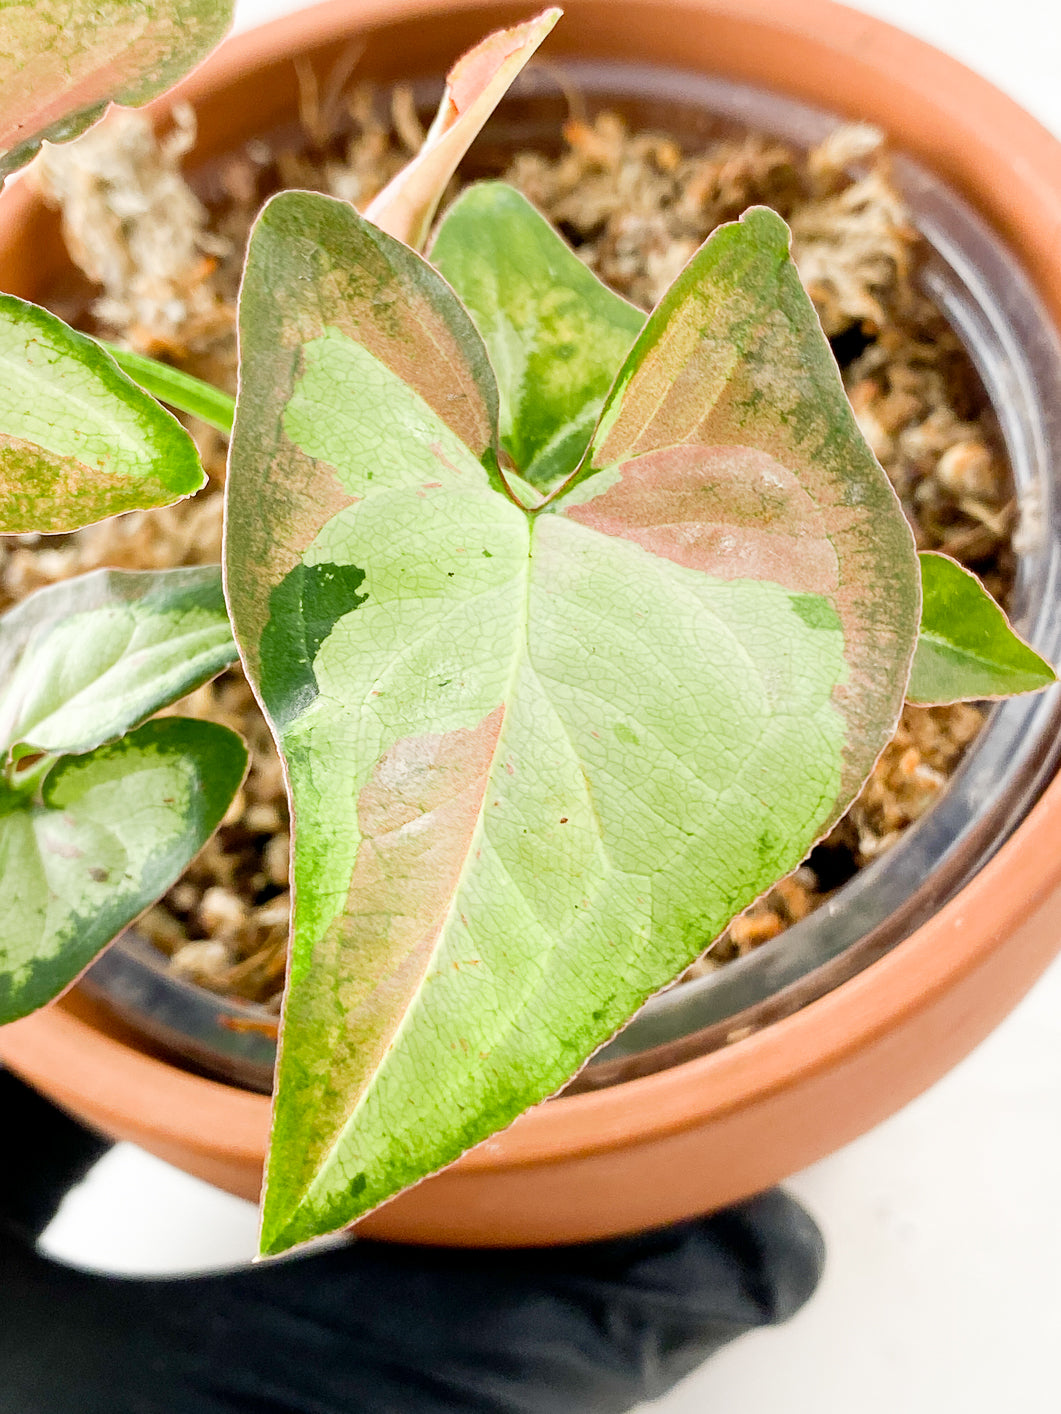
[537,761]
[111,833]
[79,441]
[556,336]
[85,660]
[475,86]
[966,650]
[63,61]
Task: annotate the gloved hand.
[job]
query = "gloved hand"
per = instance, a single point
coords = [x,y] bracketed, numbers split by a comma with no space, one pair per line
[373,1328]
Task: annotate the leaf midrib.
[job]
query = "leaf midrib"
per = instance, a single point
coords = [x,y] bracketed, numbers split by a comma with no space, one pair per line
[936,640]
[521,660]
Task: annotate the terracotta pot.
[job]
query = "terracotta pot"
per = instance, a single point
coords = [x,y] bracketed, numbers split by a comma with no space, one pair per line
[719,1126]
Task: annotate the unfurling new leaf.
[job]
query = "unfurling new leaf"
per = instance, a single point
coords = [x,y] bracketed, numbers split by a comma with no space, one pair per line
[475,86]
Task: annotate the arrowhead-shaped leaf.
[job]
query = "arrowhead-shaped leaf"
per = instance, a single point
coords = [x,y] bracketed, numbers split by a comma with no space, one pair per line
[111,833]
[966,649]
[537,760]
[62,63]
[85,660]
[475,86]
[79,441]
[556,336]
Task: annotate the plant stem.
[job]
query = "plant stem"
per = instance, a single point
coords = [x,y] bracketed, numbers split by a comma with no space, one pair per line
[27,780]
[178,390]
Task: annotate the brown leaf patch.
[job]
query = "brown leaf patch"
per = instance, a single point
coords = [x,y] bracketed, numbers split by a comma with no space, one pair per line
[43,492]
[417,816]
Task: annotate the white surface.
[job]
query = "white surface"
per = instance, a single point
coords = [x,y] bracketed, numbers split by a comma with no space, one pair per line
[941,1292]
[138,1216]
[943,1287]
[1017,45]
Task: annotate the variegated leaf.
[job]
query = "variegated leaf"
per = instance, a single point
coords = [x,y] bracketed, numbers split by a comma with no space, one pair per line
[86,659]
[537,759]
[111,832]
[79,441]
[556,336]
[63,61]
[727,446]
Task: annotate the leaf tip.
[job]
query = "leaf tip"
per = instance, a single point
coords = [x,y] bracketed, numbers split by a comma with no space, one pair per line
[967,650]
[768,228]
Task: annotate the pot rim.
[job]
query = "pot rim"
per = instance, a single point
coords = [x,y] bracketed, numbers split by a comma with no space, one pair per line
[1009,167]
[866,56]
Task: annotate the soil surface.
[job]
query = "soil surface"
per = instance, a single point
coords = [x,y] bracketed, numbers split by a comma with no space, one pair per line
[161,268]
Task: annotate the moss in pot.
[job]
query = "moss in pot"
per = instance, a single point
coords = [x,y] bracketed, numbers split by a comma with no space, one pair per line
[636,208]
[916,392]
[619,195]
[772,390]
[919,398]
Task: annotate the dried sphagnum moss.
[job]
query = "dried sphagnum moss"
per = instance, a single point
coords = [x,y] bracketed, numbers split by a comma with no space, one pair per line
[636,207]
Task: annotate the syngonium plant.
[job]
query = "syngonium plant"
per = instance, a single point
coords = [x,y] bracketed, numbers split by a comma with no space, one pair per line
[575,630]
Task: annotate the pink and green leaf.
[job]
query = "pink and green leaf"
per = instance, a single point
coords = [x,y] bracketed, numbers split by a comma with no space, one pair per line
[364,308]
[537,760]
[61,64]
[475,86]
[966,649]
[79,441]
[728,445]
[556,336]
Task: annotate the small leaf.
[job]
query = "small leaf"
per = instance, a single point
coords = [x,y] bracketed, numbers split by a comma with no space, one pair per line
[537,761]
[113,831]
[85,660]
[556,336]
[475,86]
[61,63]
[79,441]
[966,650]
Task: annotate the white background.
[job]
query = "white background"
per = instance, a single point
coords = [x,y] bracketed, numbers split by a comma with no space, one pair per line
[943,1287]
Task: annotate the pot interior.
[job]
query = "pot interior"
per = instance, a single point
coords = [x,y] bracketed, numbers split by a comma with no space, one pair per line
[993,308]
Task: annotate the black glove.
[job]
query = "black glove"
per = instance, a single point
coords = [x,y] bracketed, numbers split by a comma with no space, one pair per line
[373,1328]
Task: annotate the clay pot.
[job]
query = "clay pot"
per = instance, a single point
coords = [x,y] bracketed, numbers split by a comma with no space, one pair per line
[715,1127]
